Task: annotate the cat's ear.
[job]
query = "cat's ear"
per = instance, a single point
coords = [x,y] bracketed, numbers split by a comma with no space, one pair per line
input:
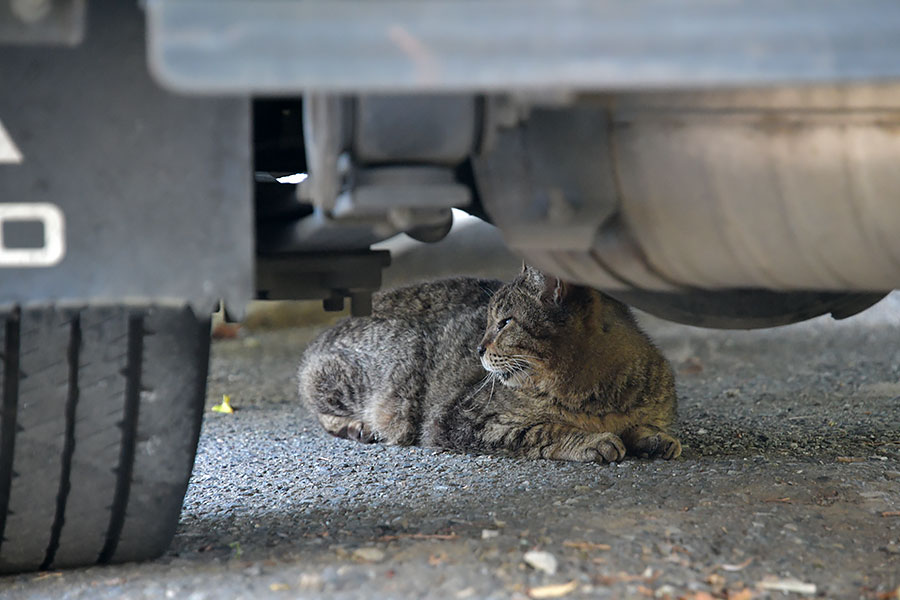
[534,277]
[555,290]
[548,288]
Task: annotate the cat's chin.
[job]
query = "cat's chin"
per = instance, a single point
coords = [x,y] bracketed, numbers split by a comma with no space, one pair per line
[507,378]
[512,379]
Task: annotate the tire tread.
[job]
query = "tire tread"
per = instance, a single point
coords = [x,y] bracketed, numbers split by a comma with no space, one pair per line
[100,412]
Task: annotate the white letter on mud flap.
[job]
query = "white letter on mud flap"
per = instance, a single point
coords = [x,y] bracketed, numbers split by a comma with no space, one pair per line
[54,225]
[9,152]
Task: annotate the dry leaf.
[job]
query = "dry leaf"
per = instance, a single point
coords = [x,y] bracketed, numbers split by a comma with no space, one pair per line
[850,459]
[744,594]
[775,584]
[279,587]
[368,554]
[892,595]
[647,577]
[891,513]
[586,546]
[553,591]
[418,536]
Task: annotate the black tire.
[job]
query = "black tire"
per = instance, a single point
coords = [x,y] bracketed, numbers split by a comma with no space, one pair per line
[101,410]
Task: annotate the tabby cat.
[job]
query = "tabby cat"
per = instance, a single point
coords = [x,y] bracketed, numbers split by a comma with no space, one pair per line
[560,372]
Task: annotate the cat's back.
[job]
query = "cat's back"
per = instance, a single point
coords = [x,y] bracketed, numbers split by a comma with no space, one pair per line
[437,300]
[409,317]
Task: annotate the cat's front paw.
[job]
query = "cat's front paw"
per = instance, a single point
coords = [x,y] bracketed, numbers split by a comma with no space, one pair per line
[609,448]
[603,447]
[654,444]
[347,428]
[359,432]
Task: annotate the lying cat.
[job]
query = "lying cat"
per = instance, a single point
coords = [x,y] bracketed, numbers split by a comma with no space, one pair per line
[562,372]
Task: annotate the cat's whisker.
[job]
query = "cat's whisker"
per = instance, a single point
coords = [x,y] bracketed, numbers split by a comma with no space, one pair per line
[481,385]
[520,365]
[521,361]
[490,293]
[491,396]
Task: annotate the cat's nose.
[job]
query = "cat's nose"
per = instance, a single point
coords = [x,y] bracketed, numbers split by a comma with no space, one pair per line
[481,350]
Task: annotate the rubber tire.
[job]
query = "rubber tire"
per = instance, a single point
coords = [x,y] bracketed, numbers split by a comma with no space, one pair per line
[101,410]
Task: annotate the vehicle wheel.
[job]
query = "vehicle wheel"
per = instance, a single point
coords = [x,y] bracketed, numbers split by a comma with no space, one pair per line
[101,410]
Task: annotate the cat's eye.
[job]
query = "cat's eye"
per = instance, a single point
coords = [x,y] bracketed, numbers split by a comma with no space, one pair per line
[503,323]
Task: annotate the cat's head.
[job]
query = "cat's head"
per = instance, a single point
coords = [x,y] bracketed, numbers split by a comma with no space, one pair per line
[527,321]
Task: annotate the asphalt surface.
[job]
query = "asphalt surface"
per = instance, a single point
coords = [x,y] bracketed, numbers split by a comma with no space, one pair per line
[790,479]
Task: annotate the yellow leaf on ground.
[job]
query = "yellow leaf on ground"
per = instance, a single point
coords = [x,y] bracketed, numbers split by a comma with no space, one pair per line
[225,407]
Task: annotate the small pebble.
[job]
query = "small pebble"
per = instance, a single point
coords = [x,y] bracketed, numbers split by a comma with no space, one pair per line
[664,590]
[540,560]
[253,571]
[368,554]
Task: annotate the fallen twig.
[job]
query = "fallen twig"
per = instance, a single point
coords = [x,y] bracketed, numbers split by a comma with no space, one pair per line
[418,536]
[738,567]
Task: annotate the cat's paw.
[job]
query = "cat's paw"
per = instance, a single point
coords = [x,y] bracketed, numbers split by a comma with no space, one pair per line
[359,432]
[351,429]
[657,445]
[609,448]
[603,447]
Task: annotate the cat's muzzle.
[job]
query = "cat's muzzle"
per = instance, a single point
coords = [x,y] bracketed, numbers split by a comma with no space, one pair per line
[508,374]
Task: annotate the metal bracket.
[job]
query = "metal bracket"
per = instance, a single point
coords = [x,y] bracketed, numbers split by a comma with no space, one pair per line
[378,166]
[330,277]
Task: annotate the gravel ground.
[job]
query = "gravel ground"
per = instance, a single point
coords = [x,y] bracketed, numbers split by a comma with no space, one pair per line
[790,479]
